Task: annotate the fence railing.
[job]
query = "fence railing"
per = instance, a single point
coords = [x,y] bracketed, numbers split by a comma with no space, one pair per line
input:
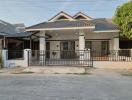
[63,57]
[113,55]
[56,55]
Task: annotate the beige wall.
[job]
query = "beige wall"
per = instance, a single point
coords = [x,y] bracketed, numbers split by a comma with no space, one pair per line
[55,45]
[112,64]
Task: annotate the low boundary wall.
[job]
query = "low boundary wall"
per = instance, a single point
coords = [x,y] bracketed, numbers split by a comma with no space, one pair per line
[112,64]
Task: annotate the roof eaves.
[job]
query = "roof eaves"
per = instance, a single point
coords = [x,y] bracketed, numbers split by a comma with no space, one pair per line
[82,14]
[59,14]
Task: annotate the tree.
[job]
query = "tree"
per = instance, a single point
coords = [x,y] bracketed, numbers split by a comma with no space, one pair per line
[123,18]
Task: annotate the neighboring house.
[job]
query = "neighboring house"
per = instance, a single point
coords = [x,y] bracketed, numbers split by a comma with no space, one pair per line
[12,31]
[11,36]
[20,27]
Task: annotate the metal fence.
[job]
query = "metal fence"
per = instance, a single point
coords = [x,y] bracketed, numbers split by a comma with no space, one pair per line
[113,55]
[62,58]
[69,58]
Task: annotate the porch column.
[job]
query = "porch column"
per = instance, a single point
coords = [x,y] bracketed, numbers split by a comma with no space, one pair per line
[81,47]
[42,44]
[42,48]
[4,41]
[116,43]
[81,41]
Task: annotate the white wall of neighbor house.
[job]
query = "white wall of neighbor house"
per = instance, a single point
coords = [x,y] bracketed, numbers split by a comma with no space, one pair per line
[15,62]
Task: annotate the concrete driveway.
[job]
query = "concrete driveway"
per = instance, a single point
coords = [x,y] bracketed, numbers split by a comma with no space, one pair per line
[66,87]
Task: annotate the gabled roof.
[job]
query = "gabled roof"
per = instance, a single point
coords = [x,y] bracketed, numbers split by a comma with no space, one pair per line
[61,16]
[103,24]
[9,30]
[7,27]
[61,25]
[99,25]
[81,16]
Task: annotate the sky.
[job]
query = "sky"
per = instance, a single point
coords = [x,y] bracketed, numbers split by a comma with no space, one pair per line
[32,12]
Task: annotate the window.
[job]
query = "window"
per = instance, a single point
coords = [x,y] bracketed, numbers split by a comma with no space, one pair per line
[88,44]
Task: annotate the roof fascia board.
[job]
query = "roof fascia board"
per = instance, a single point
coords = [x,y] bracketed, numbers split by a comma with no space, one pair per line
[103,31]
[83,15]
[59,15]
[68,28]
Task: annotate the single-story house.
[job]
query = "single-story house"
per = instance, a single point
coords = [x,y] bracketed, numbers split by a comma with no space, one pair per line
[67,40]
[78,32]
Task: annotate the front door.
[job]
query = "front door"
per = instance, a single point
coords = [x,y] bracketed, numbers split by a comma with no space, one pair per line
[67,49]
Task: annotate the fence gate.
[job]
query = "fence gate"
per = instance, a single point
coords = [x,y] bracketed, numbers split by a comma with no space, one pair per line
[60,58]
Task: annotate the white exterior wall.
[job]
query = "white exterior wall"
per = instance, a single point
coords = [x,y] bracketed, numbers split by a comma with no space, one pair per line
[55,47]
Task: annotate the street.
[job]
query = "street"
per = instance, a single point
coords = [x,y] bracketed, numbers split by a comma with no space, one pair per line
[65,87]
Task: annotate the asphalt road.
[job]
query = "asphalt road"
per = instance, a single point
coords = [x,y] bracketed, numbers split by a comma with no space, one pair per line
[65,87]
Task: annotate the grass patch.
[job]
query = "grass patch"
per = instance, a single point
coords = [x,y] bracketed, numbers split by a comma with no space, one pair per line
[127,74]
[75,73]
[29,72]
[79,73]
[82,73]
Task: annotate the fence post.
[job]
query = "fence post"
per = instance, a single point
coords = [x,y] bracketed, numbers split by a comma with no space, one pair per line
[87,57]
[27,56]
[131,54]
[4,57]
